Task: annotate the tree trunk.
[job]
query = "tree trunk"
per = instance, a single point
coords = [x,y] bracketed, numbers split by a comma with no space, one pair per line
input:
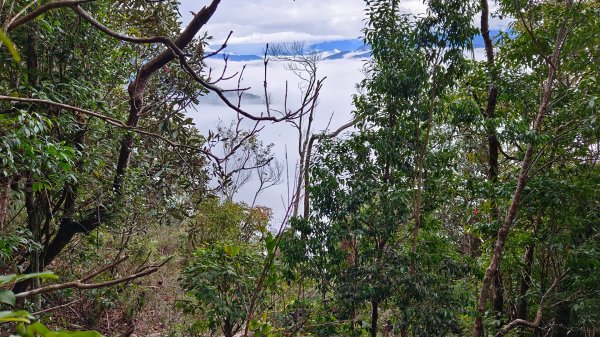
[4,198]
[227,328]
[498,299]
[493,149]
[504,229]
[374,317]
[525,284]
[563,320]
[33,223]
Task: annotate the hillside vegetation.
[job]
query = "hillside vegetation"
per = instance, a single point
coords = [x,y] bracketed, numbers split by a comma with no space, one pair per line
[462,199]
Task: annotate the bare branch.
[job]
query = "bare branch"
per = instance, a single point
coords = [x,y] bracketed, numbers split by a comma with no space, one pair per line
[110,120]
[83,285]
[221,93]
[538,317]
[223,46]
[102,270]
[56,307]
[15,22]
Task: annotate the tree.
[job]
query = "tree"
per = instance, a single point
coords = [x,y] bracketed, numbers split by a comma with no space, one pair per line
[367,191]
[221,278]
[78,84]
[549,59]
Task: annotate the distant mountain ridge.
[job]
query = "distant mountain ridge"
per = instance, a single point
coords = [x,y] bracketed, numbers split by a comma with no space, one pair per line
[330,50]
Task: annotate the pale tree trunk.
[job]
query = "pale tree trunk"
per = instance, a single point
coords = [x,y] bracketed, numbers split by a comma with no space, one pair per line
[492,270]
[4,199]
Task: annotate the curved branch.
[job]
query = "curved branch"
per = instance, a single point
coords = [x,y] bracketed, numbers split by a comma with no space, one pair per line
[154,39]
[16,23]
[110,120]
[538,317]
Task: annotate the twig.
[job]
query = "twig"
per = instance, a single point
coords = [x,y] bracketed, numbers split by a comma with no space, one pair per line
[105,268]
[538,317]
[56,307]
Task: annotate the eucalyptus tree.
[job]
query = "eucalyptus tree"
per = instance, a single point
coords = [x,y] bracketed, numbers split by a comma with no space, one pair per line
[544,110]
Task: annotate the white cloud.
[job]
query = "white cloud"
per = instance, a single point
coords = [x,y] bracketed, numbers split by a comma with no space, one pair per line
[273,21]
[300,20]
[337,18]
[335,99]
[280,37]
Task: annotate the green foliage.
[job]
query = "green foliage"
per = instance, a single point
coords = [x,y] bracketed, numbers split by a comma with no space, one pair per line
[25,327]
[25,145]
[12,49]
[38,329]
[364,188]
[221,278]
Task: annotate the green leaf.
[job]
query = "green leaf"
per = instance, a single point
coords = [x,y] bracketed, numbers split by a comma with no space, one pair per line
[8,297]
[231,250]
[270,242]
[12,49]
[15,316]
[6,279]
[43,275]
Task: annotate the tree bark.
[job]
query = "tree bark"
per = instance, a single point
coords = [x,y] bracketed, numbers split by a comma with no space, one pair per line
[525,282]
[374,317]
[4,198]
[69,227]
[563,320]
[493,147]
[526,279]
[503,232]
[498,299]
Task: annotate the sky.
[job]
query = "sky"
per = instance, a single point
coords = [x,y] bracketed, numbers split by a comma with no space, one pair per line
[275,21]
[334,110]
[257,22]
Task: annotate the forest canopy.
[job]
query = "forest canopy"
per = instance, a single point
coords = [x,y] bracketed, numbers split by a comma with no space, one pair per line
[462,199]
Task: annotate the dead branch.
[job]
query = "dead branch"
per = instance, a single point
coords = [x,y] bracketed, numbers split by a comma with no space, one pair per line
[82,283]
[102,270]
[223,46]
[56,307]
[538,317]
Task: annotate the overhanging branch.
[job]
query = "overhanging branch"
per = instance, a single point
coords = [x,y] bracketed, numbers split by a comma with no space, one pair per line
[82,283]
